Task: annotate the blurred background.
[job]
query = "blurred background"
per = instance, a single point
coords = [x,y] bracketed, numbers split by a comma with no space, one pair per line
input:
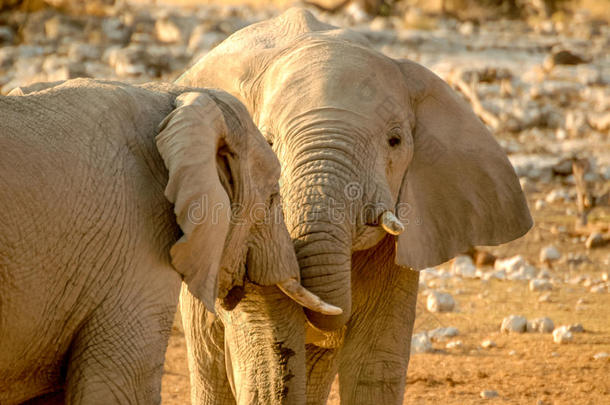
[523,323]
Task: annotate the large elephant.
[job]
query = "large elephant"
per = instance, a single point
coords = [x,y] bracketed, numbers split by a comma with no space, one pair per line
[364,139]
[92,254]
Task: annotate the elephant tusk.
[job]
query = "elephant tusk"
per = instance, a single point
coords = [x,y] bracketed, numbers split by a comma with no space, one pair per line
[306,298]
[391,224]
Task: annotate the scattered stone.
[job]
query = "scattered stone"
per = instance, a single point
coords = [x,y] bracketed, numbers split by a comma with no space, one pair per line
[562,335]
[441,333]
[511,264]
[549,254]
[576,328]
[456,344]
[601,356]
[466,28]
[599,289]
[557,195]
[544,273]
[80,52]
[599,121]
[115,31]
[562,57]
[576,259]
[540,284]
[420,343]
[540,325]
[539,204]
[463,266]
[513,324]
[440,302]
[488,344]
[488,394]
[545,298]
[512,353]
[595,240]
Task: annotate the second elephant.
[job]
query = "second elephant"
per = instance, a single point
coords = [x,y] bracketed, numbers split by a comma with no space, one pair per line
[92,254]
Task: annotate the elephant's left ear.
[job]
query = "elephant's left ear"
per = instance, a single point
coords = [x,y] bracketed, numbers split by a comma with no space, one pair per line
[189,141]
[460,189]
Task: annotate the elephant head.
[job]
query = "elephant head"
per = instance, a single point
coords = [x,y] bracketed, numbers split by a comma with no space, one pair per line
[369,145]
[223,181]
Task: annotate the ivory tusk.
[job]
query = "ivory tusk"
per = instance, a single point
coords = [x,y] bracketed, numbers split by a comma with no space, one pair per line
[306,298]
[391,224]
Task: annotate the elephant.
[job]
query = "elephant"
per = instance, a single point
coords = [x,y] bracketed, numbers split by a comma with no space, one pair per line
[385,171]
[113,197]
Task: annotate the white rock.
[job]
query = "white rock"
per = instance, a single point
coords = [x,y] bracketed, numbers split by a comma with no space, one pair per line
[562,335]
[599,289]
[443,333]
[487,394]
[540,325]
[456,344]
[512,353]
[601,356]
[549,253]
[513,324]
[539,204]
[511,264]
[464,267]
[420,343]
[488,344]
[440,302]
[528,272]
[576,328]
[557,195]
[545,298]
[540,284]
[544,273]
[466,28]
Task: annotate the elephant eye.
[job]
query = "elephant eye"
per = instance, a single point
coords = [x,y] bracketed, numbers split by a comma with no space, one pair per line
[394,139]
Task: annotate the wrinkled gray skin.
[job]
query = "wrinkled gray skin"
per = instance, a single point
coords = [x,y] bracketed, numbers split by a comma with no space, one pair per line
[88,287]
[358,134]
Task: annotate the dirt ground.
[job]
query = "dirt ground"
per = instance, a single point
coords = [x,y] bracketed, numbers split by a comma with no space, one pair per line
[524,368]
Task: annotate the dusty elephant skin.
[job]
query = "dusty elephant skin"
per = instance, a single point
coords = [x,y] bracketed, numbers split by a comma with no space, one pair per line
[93,255]
[363,139]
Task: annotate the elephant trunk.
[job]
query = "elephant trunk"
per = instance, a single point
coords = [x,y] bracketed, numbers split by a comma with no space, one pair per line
[320,225]
[265,348]
[326,271]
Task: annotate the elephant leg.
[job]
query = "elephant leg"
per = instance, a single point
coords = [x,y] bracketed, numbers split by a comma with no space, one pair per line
[204,334]
[322,366]
[118,354]
[375,353]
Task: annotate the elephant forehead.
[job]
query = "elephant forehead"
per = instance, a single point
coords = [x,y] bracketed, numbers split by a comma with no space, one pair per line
[324,73]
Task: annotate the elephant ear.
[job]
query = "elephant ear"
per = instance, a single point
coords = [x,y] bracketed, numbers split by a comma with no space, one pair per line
[460,189]
[189,141]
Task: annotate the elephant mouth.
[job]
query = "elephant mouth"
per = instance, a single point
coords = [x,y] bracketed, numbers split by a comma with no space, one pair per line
[376,229]
[292,288]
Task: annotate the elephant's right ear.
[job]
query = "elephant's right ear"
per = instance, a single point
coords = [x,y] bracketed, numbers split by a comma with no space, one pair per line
[189,140]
